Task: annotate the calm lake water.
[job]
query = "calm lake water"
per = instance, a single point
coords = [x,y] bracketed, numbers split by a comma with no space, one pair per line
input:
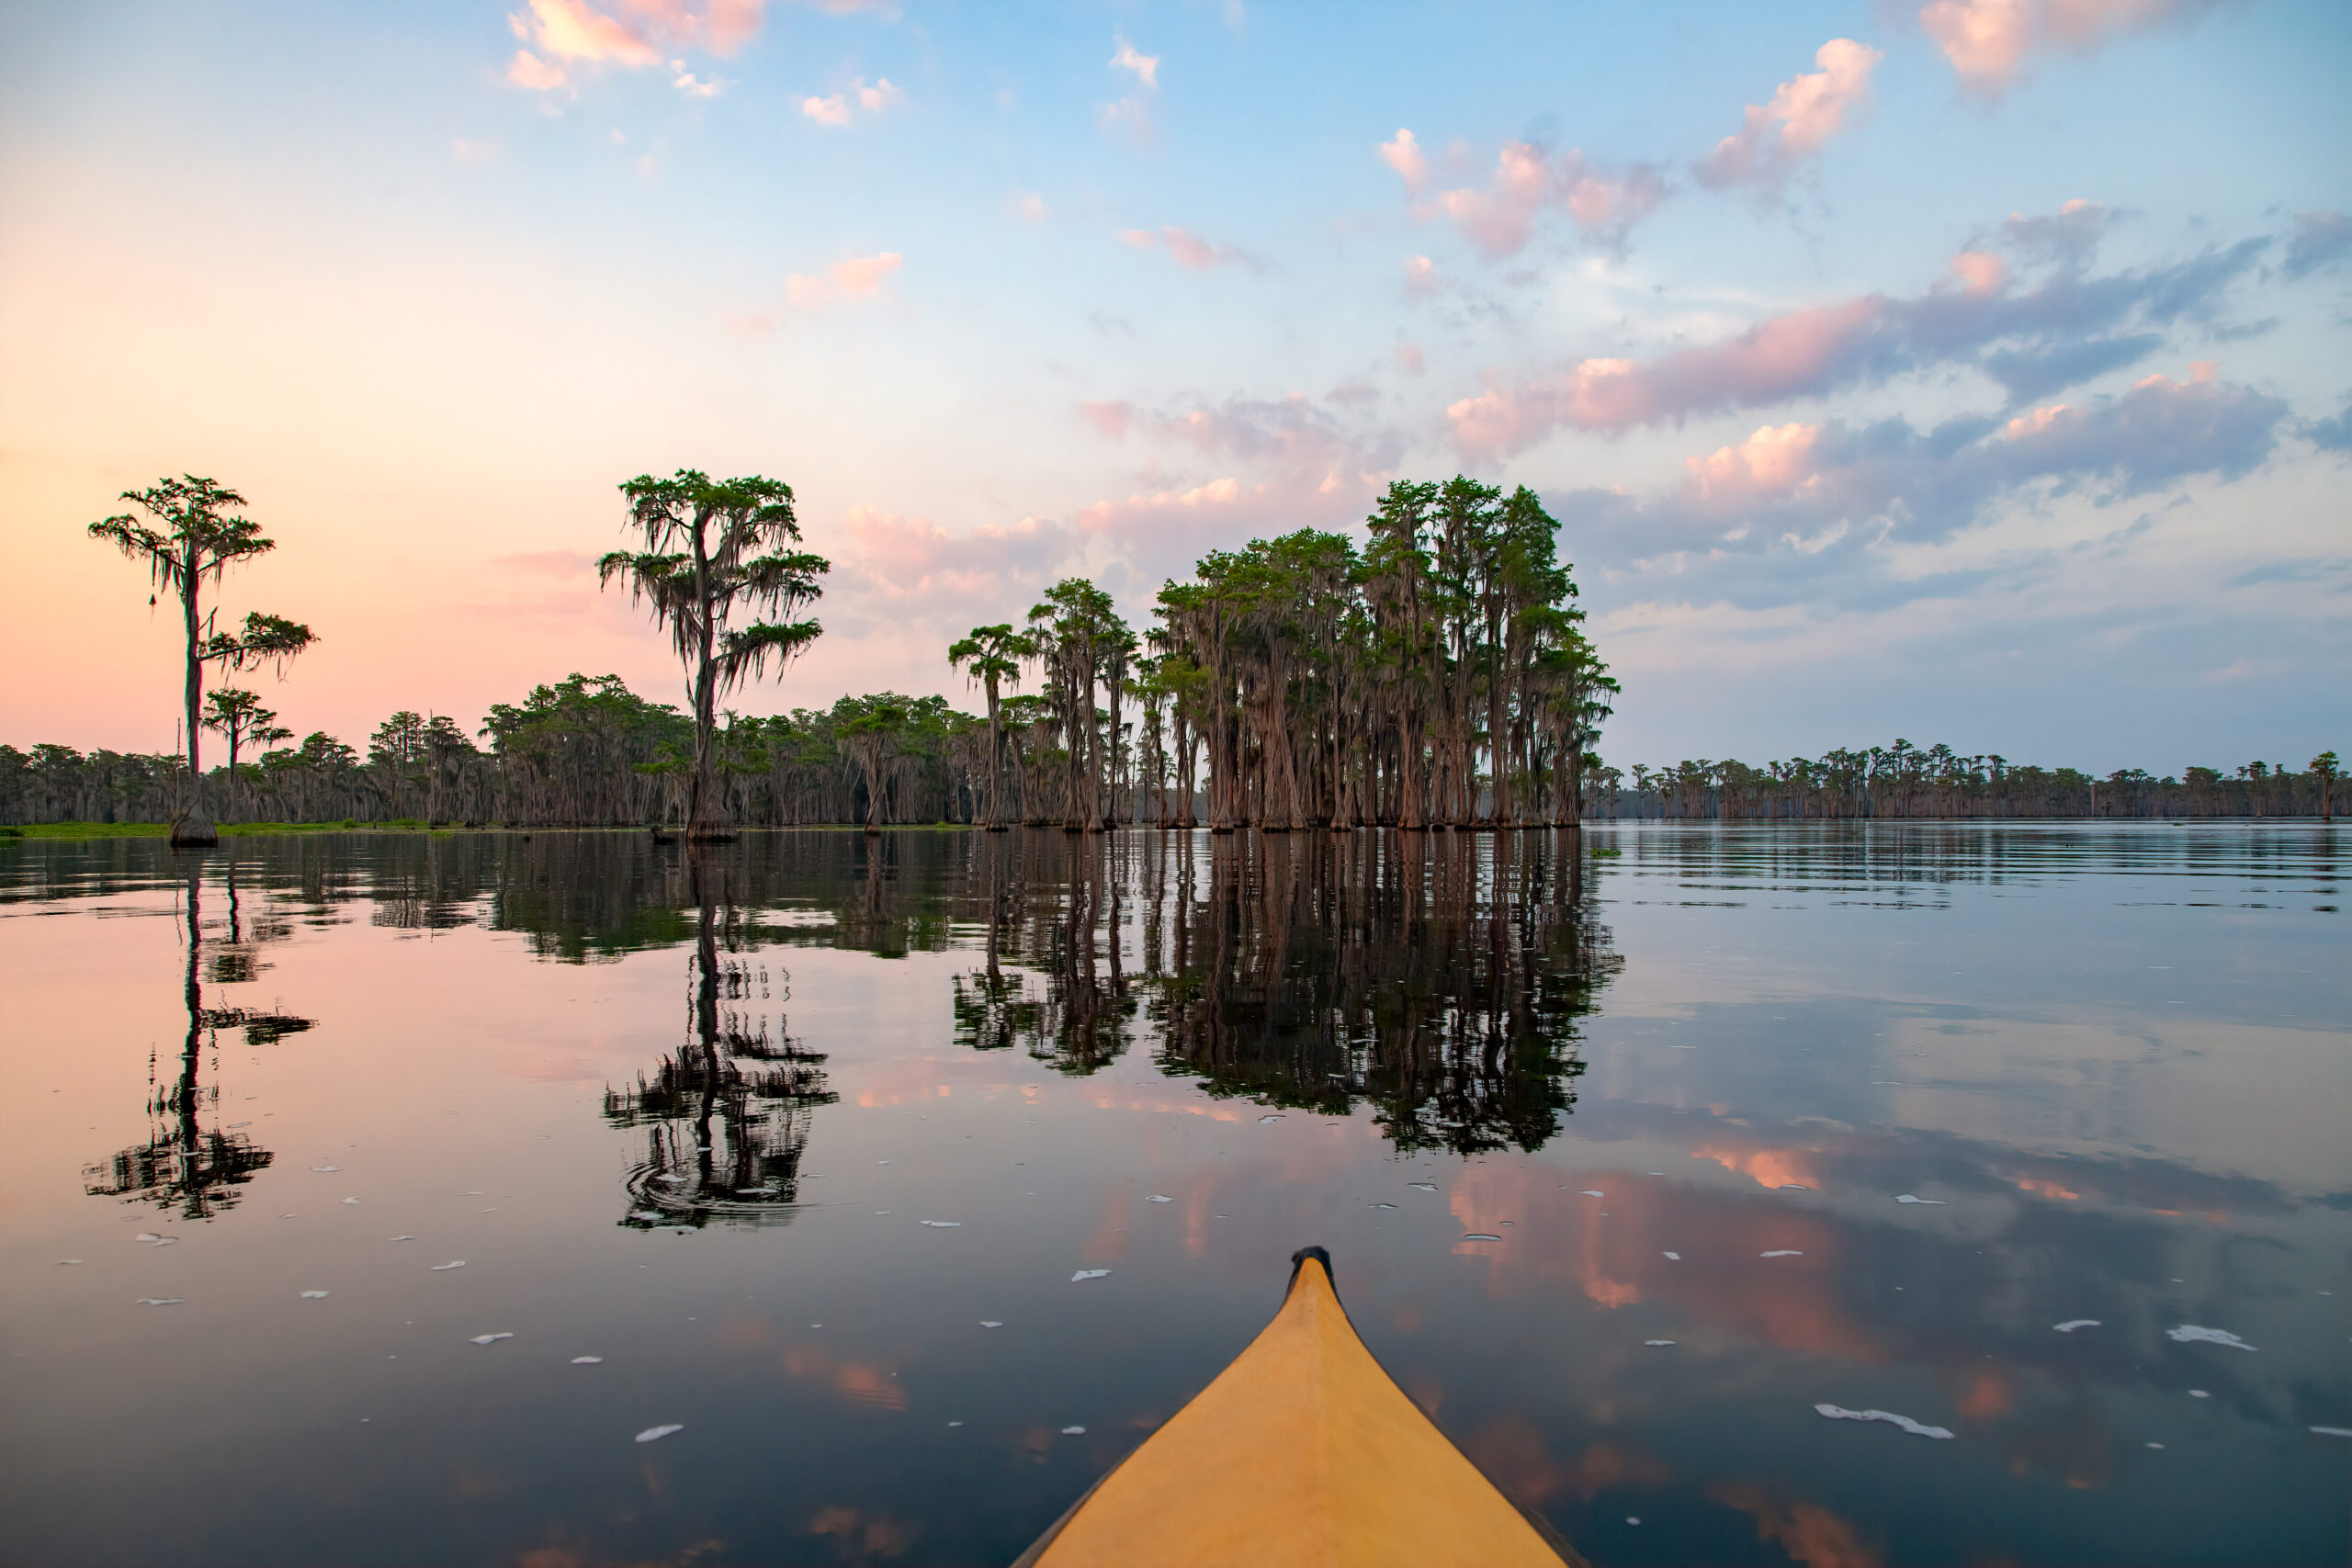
[1630,1153]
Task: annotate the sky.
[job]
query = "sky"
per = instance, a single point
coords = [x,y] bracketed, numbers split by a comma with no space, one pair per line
[1976,371]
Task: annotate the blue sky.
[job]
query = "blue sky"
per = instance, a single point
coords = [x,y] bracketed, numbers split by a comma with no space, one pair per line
[1971,371]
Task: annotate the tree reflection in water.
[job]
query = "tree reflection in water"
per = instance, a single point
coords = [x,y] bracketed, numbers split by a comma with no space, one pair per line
[1438,976]
[185,1166]
[726,1119]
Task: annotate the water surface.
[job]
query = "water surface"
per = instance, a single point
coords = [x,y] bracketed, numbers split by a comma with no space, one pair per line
[803,1141]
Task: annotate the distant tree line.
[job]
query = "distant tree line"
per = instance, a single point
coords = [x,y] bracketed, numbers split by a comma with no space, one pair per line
[1939,783]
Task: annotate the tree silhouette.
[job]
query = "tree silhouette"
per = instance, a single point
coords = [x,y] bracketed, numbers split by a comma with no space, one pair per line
[199,537]
[710,546]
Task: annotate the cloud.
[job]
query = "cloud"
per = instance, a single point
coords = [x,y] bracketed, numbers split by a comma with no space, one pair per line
[858,277]
[2321,240]
[1500,217]
[1420,276]
[2033,341]
[1990,43]
[1145,66]
[1032,207]
[2069,236]
[856,98]
[691,86]
[1807,488]
[1110,418]
[1805,111]
[1409,356]
[1189,249]
[911,562]
[635,35]
[1404,156]
[466,152]
[1132,113]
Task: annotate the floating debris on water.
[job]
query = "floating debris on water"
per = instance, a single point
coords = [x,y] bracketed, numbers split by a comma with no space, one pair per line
[1658,1341]
[2198,1394]
[1263,1120]
[1592,1192]
[2334,1432]
[326,1168]
[66,1260]
[1481,1235]
[1917,1428]
[151,1239]
[992,1322]
[457,1263]
[1908,1198]
[1384,1205]
[2152,1445]
[491,1338]
[655,1434]
[1423,1186]
[1157,1198]
[942,1225]
[1794,1187]
[1671,1257]
[160,1300]
[1782,1252]
[955,1423]
[2190,1332]
[1090,1274]
[314,1296]
[587,1360]
[404,1238]
[351,1200]
[1072,1431]
[2072,1324]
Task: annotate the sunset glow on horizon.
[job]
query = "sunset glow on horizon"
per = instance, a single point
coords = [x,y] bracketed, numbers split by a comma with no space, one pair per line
[1968,371]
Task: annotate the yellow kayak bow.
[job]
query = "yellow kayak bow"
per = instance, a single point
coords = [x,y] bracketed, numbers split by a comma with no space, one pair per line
[1302,1451]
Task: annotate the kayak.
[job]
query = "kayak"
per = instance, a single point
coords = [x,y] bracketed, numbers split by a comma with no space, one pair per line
[1304,1451]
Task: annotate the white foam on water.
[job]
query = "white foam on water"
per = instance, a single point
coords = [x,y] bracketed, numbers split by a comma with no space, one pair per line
[1593,1193]
[66,1260]
[1908,1198]
[1384,1205]
[1481,1235]
[1794,1187]
[1157,1198]
[1658,1341]
[2072,1324]
[314,1296]
[2198,1394]
[1090,1274]
[458,1263]
[1671,1257]
[992,1322]
[1263,1120]
[587,1360]
[2334,1432]
[1782,1252]
[491,1338]
[655,1434]
[326,1168]
[2190,1333]
[1917,1428]
[955,1423]
[404,1238]
[1423,1186]
[942,1225]
[1072,1431]
[351,1200]
[160,1300]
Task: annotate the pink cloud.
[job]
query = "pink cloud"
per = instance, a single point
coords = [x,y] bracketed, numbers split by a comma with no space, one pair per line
[1190,250]
[859,276]
[1409,356]
[1989,43]
[1145,66]
[1979,272]
[1500,217]
[827,111]
[1774,461]
[1805,111]
[1404,156]
[636,34]
[1141,239]
[912,559]
[1420,276]
[527,70]
[1110,418]
[1032,207]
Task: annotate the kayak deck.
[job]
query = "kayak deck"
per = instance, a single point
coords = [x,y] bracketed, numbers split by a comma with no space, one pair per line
[1304,1451]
